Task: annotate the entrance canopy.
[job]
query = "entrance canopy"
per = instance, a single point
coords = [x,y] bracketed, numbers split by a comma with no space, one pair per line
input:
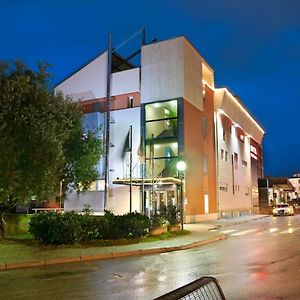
[147,181]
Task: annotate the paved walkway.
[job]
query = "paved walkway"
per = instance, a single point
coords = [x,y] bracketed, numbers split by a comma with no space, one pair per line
[14,256]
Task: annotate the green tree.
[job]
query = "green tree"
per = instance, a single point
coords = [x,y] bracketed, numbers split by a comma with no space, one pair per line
[42,140]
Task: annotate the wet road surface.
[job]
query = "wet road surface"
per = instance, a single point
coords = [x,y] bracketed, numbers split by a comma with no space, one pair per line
[259,260]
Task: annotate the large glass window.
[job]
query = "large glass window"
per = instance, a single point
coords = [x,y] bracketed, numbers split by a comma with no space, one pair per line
[161,138]
[161,110]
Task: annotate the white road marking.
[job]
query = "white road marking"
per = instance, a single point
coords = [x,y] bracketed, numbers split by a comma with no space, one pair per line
[243,232]
[270,230]
[228,231]
[290,230]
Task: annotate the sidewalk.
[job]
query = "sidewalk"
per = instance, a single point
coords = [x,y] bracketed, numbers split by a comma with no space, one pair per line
[14,256]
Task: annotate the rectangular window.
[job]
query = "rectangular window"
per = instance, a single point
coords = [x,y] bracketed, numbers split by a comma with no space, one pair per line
[236,160]
[222,154]
[244,163]
[224,187]
[226,156]
[161,110]
[242,138]
[247,190]
[224,134]
[130,102]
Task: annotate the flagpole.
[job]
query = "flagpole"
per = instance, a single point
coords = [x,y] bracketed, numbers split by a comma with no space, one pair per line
[130,170]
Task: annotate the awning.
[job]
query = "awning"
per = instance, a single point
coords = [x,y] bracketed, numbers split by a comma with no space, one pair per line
[147,181]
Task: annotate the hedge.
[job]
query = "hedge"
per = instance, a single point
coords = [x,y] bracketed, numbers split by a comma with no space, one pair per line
[72,228]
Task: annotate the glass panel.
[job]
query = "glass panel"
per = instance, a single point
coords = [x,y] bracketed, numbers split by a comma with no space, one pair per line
[163,167]
[161,110]
[161,129]
[95,122]
[162,150]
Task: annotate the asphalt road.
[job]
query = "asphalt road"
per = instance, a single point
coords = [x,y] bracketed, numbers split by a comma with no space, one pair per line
[259,260]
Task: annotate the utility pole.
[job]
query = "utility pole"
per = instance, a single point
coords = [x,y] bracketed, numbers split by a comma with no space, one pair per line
[107,135]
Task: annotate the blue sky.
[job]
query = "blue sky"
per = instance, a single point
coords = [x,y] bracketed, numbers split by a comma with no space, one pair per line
[253,46]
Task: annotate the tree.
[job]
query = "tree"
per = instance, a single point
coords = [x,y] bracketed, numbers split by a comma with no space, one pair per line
[42,140]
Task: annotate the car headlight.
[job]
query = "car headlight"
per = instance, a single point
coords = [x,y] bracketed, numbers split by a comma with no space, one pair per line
[274,211]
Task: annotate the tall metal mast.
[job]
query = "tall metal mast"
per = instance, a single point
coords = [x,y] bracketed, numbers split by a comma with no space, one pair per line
[107,135]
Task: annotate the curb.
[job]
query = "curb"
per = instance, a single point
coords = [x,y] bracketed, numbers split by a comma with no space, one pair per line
[111,255]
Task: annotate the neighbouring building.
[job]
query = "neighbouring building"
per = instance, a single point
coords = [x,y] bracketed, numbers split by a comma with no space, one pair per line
[295,181]
[274,190]
[176,113]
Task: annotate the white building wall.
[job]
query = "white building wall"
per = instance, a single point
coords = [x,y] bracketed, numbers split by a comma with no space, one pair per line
[90,81]
[173,69]
[232,203]
[162,70]
[225,101]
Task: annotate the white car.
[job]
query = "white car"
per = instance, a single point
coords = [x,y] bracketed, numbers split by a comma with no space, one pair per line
[283,210]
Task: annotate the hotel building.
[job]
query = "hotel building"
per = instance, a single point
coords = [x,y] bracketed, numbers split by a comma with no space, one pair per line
[176,113]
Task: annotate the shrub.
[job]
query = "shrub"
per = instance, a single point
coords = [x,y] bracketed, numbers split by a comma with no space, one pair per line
[55,228]
[158,220]
[71,228]
[171,214]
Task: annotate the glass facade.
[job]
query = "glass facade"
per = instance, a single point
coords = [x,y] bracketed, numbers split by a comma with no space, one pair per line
[161,138]
[95,122]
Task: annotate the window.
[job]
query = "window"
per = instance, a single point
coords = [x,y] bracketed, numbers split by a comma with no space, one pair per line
[224,187]
[244,163]
[247,191]
[242,138]
[224,134]
[130,102]
[236,160]
[226,156]
[222,154]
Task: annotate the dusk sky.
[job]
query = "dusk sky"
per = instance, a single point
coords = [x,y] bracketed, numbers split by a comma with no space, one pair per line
[253,47]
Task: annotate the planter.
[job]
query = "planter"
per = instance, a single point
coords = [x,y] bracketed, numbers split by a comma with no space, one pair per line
[159,230]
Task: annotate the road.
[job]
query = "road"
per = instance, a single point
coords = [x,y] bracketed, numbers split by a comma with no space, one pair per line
[259,260]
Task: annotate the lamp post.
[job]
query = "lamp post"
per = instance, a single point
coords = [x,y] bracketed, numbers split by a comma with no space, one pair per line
[181,166]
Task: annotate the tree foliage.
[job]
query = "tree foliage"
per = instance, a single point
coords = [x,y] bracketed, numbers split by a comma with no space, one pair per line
[42,140]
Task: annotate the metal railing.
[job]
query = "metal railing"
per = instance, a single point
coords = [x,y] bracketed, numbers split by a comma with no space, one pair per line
[205,288]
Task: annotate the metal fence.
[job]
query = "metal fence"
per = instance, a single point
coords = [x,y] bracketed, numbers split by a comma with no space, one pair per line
[205,288]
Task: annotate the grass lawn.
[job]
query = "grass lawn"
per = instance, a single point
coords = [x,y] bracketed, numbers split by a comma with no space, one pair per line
[23,247]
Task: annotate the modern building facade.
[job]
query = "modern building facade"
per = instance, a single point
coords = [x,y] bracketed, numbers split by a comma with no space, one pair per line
[176,113]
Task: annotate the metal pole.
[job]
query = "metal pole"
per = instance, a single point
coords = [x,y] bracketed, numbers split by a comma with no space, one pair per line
[143,191]
[60,193]
[181,200]
[107,135]
[130,170]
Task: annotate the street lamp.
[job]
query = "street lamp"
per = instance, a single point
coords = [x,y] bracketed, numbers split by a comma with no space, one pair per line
[181,166]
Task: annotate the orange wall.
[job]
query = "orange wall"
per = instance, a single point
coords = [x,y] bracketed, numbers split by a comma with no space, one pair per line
[209,148]
[117,102]
[193,152]
[195,146]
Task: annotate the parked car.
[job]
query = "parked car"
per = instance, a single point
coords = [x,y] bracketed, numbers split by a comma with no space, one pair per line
[283,210]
